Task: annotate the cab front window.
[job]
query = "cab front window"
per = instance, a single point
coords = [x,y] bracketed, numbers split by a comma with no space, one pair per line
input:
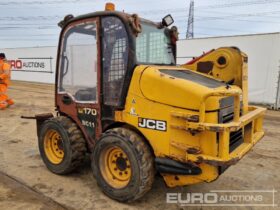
[153,45]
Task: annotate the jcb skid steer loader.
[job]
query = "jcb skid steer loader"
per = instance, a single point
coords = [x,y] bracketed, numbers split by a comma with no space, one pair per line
[121,97]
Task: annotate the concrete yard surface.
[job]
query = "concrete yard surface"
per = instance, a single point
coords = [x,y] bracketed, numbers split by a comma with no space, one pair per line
[25,182]
[15,195]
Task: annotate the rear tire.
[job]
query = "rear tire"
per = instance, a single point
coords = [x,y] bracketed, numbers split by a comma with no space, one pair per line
[62,145]
[123,165]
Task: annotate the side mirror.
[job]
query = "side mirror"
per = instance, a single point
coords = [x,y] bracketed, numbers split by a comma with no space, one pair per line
[167,20]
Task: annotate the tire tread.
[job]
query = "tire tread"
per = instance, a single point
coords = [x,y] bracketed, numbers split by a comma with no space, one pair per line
[77,142]
[144,155]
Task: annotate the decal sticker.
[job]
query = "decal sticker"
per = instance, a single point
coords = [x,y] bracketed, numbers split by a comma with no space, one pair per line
[158,125]
[87,111]
[88,124]
[133,112]
[88,118]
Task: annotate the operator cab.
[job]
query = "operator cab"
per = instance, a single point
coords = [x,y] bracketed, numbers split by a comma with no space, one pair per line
[96,58]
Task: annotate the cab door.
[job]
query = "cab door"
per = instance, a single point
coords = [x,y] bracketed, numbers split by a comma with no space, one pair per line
[78,83]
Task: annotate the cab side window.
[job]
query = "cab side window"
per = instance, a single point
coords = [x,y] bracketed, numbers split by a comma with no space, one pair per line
[78,70]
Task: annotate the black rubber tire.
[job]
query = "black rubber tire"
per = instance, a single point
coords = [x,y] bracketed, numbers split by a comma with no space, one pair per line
[74,144]
[140,157]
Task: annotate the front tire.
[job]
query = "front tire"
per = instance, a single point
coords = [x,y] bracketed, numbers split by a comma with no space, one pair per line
[61,144]
[123,165]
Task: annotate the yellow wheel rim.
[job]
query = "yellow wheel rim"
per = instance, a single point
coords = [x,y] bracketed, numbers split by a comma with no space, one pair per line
[53,146]
[115,167]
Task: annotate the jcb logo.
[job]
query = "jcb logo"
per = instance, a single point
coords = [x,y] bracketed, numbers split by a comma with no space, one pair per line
[152,124]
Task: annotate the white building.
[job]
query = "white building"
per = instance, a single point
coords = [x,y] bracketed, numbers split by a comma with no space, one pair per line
[263,52]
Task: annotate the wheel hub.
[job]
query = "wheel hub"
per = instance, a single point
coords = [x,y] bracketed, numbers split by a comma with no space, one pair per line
[121,163]
[53,146]
[115,167]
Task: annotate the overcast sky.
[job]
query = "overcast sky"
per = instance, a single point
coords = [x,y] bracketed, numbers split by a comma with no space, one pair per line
[25,23]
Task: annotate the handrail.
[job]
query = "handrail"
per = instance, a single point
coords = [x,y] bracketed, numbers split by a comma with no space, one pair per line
[235,93]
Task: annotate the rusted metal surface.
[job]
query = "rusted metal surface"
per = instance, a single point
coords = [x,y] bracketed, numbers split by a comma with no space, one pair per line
[134,22]
[185,128]
[189,118]
[217,162]
[177,157]
[67,18]
[255,112]
[40,119]
[188,148]
[42,116]
[182,159]
[193,150]
[71,110]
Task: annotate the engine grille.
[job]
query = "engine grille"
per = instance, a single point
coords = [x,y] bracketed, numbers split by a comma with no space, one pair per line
[236,138]
[227,117]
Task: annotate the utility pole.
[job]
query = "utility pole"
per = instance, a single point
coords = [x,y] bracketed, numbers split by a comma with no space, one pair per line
[189,34]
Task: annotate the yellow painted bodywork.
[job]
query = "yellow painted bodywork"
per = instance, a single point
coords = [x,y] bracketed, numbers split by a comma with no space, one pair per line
[155,95]
[234,69]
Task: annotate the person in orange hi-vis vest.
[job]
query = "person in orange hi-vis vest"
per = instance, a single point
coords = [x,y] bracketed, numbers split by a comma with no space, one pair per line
[5,76]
